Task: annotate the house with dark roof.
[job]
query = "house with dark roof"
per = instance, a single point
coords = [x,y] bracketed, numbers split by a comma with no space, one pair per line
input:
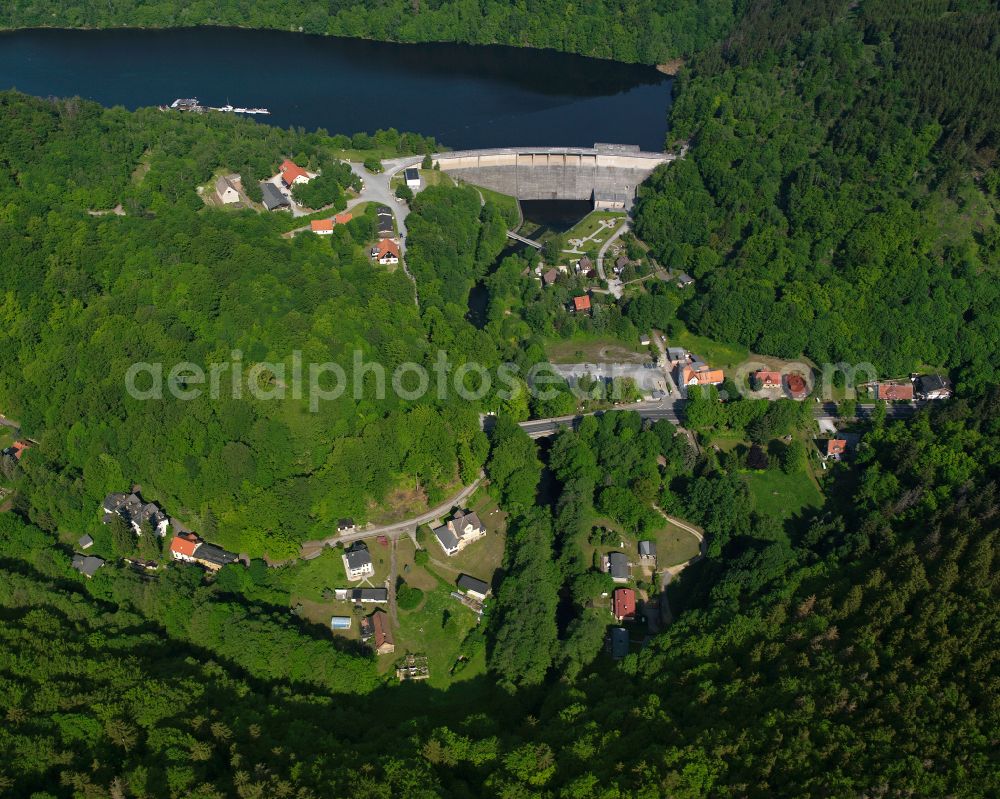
[549,276]
[933,387]
[477,589]
[358,562]
[135,512]
[225,189]
[616,564]
[273,198]
[460,531]
[684,280]
[345,526]
[412,177]
[584,264]
[385,226]
[618,642]
[676,354]
[362,596]
[87,565]
[85,542]
[213,557]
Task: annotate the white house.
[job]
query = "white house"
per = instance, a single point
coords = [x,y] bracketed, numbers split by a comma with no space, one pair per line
[225,188]
[358,562]
[412,177]
[459,532]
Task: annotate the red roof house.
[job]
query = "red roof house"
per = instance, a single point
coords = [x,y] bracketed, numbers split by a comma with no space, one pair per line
[343,218]
[894,391]
[386,251]
[323,227]
[581,304]
[19,447]
[292,173]
[624,604]
[702,377]
[184,545]
[797,385]
[835,447]
[766,379]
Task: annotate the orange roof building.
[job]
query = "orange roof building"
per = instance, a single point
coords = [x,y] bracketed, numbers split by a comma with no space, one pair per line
[386,251]
[184,545]
[19,447]
[796,385]
[766,379]
[343,218]
[322,227]
[292,173]
[581,303]
[703,377]
[894,391]
[835,447]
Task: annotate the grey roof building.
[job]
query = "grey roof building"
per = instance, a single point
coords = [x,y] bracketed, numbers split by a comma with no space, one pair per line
[85,542]
[676,354]
[135,512]
[212,555]
[369,595]
[933,387]
[474,586]
[358,561]
[272,197]
[619,642]
[618,566]
[647,550]
[87,565]
[446,538]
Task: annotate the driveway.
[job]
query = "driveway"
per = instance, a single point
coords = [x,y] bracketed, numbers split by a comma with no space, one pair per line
[614,284]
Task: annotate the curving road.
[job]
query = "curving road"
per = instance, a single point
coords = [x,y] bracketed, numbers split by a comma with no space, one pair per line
[312,549]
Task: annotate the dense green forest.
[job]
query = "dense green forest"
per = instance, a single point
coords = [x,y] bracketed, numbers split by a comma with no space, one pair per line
[840,195]
[838,199]
[644,31]
[171,281]
[853,653]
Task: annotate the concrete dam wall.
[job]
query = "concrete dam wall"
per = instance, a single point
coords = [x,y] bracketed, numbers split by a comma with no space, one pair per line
[611,172]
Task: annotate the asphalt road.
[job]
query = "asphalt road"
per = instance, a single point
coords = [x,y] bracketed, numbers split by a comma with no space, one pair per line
[673,411]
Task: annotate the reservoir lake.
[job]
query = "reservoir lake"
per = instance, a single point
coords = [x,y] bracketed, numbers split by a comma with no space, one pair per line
[465,96]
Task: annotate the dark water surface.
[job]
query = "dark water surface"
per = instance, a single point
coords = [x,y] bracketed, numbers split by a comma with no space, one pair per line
[465,96]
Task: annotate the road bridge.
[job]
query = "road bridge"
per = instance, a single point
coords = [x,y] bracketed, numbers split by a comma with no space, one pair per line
[605,174]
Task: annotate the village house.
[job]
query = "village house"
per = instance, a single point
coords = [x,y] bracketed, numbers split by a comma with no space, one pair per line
[321,227]
[358,562]
[135,512]
[684,280]
[621,263]
[584,265]
[382,641]
[893,392]
[460,531]
[362,596]
[87,565]
[549,277]
[618,642]
[85,542]
[763,378]
[616,564]
[644,340]
[477,589]
[384,215]
[343,217]
[226,190]
[677,355]
[17,449]
[647,552]
[291,173]
[834,448]
[272,197]
[796,385]
[189,548]
[412,177]
[581,304]
[345,526]
[933,387]
[386,252]
[623,604]
[696,374]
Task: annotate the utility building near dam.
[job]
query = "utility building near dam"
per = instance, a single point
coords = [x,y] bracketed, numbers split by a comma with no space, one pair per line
[606,174]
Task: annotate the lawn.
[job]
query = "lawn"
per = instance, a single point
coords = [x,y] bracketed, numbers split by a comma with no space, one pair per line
[715,353]
[591,223]
[674,546]
[783,495]
[508,205]
[592,350]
